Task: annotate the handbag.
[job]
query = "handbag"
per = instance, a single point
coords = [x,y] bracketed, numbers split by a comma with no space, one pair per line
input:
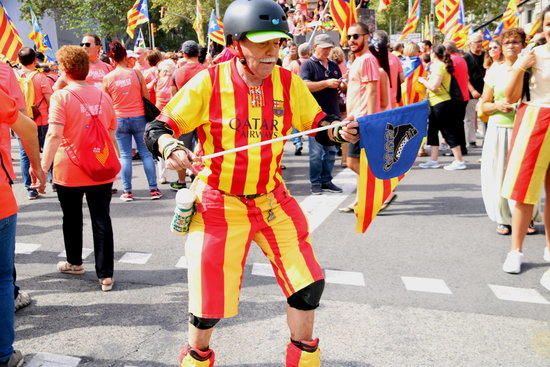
[151,111]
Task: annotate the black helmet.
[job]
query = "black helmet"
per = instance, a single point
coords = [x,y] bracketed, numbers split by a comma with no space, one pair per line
[244,16]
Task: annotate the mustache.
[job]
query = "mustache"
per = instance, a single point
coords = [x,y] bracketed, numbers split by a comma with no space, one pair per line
[268,59]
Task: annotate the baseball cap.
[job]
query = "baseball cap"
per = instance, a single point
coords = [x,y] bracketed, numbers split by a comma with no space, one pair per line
[323,41]
[190,48]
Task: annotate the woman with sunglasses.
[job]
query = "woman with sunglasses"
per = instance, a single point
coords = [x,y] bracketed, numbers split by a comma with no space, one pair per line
[499,132]
[493,54]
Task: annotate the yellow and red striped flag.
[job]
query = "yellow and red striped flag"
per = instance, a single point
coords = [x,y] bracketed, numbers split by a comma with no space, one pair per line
[138,14]
[510,18]
[412,22]
[215,29]
[536,27]
[411,90]
[344,14]
[447,12]
[10,41]
[383,5]
[197,24]
[372,193]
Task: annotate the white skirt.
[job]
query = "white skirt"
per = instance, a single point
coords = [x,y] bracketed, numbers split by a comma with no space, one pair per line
[494,159]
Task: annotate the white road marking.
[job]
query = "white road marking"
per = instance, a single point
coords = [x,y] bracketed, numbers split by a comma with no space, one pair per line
[135,258]
[52,360]
[262,270]
[182,263]
[429,285]
[317,208]
[545,280]
[344,277]
[26,248]
[85,253]
[518,294]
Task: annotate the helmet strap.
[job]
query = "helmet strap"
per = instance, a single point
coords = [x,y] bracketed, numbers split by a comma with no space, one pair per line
[241,58]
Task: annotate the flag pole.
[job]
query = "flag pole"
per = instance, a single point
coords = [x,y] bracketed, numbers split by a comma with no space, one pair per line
[317,26]
[152,36]
[432,20]
[281,138]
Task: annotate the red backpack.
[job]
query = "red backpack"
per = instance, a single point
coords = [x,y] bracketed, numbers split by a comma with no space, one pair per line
[94,151]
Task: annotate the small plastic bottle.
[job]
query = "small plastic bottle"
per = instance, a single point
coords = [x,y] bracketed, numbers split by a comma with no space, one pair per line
[185,200]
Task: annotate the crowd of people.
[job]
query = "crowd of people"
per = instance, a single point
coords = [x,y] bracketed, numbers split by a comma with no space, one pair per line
[499,96]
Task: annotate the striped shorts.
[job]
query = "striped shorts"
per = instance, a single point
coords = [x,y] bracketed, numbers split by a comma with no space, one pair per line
[219,240]
[529,158]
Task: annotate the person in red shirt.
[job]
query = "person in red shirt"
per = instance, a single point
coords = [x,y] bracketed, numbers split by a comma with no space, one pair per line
[181,76]
[42,86]
[463,79]
[11,117]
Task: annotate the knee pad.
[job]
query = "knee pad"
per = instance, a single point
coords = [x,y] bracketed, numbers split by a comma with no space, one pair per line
[308,298]
[202,323]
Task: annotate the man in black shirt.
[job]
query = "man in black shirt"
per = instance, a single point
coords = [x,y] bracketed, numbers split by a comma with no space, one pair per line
[474,58]
[323,78]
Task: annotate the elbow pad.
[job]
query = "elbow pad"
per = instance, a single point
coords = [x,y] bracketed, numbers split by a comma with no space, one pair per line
[153,131]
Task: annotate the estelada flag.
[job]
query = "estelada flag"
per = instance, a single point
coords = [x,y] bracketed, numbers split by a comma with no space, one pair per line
[138,14]
[215,29]
[389,144]
[10,41]
[412,91]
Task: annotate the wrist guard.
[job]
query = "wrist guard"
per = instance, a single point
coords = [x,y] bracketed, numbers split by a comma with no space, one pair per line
[171,147]
[336,135]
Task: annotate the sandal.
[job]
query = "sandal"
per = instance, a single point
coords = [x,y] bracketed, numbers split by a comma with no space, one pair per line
[67,268]
[106,284]
[532,229]
[504,229]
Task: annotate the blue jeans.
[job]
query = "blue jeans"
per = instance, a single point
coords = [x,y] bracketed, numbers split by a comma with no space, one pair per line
[129,127]
[321,162]
[25,163]
[7,305]
[296,141]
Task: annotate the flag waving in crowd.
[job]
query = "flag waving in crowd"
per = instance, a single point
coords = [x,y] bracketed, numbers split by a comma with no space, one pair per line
[40,38]
[197,23]
[389,143]
[510,17]
[215,29]
[10,41]
[344,14]
[412,21]
[412,91]
[139,14]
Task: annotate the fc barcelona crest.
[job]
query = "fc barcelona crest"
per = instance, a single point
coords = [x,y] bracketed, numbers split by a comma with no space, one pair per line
[278,108]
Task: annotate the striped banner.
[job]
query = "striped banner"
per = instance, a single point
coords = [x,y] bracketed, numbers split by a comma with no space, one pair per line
[215,29]
[344,14]
[459,32]
[40,38]
[447,12]
[372,192]
[197,24]
[510,18]
[138,14]
[412,22]
[10,41]
[411,90]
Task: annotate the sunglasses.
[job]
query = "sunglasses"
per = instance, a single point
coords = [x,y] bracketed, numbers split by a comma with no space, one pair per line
[85,44]
[355,36]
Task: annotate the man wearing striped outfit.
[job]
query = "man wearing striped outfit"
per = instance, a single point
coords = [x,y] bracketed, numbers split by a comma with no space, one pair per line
[241,197]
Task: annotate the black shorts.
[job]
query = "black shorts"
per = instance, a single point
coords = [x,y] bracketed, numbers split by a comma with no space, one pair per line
[442,119]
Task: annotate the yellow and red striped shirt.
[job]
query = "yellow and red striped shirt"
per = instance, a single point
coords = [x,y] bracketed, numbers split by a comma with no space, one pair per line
[217,103]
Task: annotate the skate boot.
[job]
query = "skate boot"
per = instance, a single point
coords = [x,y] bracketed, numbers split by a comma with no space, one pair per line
[192,357]
[303,353]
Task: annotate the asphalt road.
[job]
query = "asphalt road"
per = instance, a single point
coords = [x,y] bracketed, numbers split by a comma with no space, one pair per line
[423,286]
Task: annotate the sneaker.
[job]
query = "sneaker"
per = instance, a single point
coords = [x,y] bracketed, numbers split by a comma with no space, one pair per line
[513,262]
[127,196]
[330,187]
[176,186]
[16,360]
[155,194]
[316,190]
[430,164]
[456,165]
[298,151]
[32,195]
[23,300]
[546,254]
